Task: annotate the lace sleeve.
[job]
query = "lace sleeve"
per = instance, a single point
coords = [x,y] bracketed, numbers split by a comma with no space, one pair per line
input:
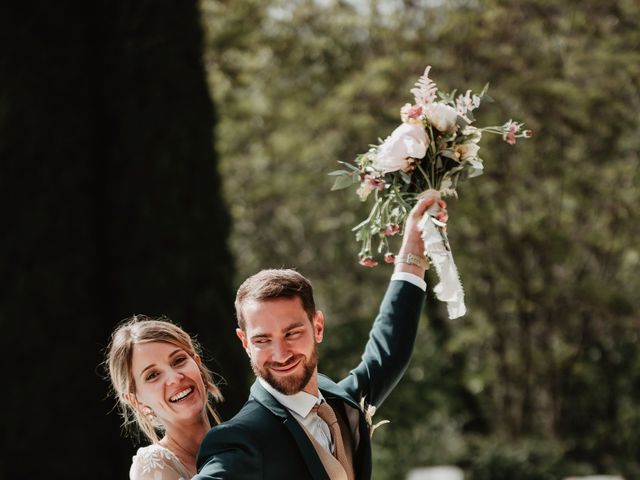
[156,463]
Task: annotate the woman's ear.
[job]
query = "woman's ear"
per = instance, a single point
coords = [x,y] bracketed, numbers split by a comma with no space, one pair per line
[131,399]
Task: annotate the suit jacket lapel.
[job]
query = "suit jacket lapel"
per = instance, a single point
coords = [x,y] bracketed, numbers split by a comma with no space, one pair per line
[307,450]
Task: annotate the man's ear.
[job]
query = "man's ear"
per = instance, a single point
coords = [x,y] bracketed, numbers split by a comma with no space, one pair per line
[318,326]
[242,335]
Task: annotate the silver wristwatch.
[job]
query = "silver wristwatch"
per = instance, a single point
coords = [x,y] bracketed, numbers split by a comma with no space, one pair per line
[413,259]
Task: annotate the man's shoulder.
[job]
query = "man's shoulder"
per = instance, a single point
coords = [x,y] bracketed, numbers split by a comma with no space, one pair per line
[329,387]
[324,381]
[235,445]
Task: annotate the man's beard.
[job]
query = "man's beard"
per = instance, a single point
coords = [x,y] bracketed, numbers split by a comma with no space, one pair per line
[290,384]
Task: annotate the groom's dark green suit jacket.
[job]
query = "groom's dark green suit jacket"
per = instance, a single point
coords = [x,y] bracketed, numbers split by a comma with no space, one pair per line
[264,440]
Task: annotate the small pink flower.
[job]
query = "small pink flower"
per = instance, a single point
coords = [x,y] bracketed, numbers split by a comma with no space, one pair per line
[392,229]
[510,128]
[528,133]
[389,257]
[368,185]
[410,113]
[368,262]
[373,183]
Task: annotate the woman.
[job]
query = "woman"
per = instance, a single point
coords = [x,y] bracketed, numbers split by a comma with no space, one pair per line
[162,386]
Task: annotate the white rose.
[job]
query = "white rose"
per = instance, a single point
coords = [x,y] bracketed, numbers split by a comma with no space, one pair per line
[467,150]
[406,141]
[441,116]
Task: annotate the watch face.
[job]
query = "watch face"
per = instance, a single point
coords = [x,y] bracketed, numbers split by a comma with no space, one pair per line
[414,259]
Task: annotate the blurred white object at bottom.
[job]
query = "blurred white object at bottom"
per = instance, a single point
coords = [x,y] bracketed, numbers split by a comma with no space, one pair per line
[596,477]
[436,473]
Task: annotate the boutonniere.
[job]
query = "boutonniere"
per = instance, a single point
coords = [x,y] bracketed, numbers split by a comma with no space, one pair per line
[369,411]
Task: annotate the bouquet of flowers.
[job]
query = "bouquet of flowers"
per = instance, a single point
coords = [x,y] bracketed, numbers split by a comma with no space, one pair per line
[434,148]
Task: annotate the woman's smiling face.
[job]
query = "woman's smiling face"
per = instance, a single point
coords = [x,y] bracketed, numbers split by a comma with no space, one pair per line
[168,380]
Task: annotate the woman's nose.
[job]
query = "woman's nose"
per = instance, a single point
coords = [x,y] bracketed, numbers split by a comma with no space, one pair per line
[174,376]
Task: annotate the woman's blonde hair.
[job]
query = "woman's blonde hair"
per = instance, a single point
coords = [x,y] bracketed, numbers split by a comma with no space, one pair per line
[141,329]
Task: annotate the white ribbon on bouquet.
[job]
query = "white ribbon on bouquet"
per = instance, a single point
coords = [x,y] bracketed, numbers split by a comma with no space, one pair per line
[437,248]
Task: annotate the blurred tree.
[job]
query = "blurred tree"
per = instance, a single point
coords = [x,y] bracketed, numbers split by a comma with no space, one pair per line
[111,206]
[546,241]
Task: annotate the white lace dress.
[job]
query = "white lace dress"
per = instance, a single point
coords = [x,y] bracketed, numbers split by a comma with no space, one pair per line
[155,462]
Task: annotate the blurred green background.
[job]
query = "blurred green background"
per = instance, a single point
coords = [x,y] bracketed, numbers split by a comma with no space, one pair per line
[154,154]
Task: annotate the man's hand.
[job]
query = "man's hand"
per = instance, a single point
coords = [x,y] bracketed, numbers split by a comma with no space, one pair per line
[412,241]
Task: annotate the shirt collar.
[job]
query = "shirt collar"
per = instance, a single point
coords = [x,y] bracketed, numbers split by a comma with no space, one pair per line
[300,403]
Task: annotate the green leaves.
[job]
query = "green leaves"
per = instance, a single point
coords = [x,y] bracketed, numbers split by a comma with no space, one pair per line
[343,179]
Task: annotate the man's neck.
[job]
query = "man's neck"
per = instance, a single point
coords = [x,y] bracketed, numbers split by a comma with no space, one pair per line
[312,387]
[299,403]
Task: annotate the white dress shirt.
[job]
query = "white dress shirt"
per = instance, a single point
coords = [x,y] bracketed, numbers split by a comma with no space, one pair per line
[300,405]
[411,278]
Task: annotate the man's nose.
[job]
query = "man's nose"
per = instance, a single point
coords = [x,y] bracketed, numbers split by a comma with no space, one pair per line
[281,352]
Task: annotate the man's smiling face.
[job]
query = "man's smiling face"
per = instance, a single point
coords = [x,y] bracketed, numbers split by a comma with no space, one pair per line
[281,342]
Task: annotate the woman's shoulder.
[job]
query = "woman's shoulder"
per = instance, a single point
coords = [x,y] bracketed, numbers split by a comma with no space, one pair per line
[155,462]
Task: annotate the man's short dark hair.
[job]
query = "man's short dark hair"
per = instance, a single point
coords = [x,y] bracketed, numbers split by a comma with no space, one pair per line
[275,283]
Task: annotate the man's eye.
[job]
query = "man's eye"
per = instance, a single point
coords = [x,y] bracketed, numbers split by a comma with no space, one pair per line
[295,334]
[261,341]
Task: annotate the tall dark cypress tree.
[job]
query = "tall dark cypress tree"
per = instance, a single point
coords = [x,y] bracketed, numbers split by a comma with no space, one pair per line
[111,206]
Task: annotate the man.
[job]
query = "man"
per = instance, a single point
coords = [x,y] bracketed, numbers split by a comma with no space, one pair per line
[298,424]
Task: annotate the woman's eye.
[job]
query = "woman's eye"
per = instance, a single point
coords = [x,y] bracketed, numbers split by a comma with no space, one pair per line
[179,360]
[151,376]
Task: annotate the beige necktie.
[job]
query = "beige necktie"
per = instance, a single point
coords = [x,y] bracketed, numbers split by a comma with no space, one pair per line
[326,413]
